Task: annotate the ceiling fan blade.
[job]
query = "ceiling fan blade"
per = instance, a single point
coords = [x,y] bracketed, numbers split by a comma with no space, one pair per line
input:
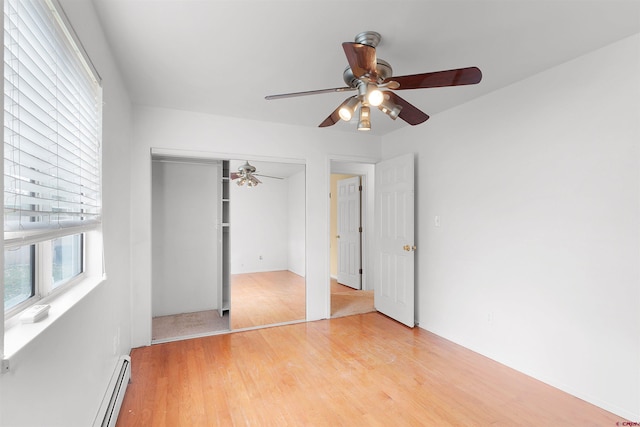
[457,77]
[335,116]
[234,175]
[361,58]
[309,92]
[409,113]
[267,176]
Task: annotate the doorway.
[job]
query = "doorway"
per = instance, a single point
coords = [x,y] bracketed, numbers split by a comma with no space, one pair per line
[391,203]
[185,249]
[351,296]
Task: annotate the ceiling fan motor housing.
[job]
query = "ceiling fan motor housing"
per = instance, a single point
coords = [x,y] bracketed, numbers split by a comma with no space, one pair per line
[246,168]
[383,70]
[370,38]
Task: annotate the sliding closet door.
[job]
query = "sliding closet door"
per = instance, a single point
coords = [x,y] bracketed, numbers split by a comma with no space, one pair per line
[184,237]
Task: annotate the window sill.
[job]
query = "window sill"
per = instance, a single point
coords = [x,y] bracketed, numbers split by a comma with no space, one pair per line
[18,335]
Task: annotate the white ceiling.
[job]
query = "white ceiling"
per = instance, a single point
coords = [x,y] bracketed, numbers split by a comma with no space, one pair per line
[223,57]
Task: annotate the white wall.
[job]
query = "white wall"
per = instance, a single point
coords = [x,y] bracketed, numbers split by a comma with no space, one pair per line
[536,260]
[259,235]
[225,137]
[60,377]
[267,226]
[296,224]
[185,268]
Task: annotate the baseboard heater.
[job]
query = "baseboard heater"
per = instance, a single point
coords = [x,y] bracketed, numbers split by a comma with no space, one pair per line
[110,407]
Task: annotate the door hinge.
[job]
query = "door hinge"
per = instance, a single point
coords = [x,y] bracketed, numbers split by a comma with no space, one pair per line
[360,188]
[360,229]
[360,271]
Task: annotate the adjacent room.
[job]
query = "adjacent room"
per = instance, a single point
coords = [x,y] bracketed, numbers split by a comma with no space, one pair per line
[264,212]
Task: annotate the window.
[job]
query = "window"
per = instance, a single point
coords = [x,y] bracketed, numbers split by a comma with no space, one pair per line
[52,155]
[67,259]
[19,276]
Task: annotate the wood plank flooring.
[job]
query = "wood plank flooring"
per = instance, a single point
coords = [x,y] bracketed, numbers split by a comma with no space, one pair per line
[257,299]
[266,298]
[362,370]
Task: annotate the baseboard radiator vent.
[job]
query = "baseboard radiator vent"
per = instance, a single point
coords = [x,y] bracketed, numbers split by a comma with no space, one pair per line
[110,407]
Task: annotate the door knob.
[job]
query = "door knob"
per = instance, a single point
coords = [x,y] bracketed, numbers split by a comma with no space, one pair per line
[338,236]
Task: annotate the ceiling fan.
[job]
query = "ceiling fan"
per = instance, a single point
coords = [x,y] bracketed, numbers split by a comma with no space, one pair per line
[247,175]
[372,78]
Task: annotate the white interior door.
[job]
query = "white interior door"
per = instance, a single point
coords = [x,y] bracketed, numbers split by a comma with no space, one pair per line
[349,234]
[394,239]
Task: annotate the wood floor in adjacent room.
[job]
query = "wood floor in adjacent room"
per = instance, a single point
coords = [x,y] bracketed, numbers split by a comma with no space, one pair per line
[266,298]
[361,370]
[346,301]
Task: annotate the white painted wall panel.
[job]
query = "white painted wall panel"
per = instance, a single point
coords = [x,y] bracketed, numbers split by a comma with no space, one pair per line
[59,379]
[537,187]
[259,230]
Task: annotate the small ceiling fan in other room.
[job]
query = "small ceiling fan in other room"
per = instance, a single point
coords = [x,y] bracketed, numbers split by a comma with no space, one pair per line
[247,175]
[372,78]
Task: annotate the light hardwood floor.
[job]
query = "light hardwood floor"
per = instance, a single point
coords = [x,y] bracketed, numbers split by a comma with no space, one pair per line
[260,299]
[362,370]
[266,298]
[257,299]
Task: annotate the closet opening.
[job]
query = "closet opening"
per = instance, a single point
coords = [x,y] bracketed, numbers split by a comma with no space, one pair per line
[226,256]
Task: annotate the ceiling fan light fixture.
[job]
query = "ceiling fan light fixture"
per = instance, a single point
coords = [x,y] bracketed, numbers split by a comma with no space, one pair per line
[375,97]
[346,111]
[390,109]
[364,124]
[253,181]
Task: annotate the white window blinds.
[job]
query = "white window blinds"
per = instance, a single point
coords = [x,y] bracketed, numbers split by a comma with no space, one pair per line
[52,127]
